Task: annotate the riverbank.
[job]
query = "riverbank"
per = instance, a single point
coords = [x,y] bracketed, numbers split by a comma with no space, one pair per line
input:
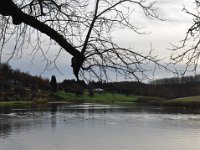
[133,99]
[15,102]
[192,101]
[98,97]
[112,98]
[24,102]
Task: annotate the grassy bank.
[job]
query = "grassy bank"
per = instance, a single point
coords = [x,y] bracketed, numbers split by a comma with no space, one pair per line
[192,101]
[24,102]
[98,98]
[121,98]
[148,100]
[15,102]
[110,98]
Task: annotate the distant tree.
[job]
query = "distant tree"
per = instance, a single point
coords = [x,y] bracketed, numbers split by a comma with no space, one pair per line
[79,90]
[16,76]
[6,71]
[91,92]
[91,87]
[53,83]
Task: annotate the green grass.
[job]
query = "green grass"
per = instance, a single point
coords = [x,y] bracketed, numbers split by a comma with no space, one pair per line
[98,98]
[15,102]
[192,101]
[36,102]
[149,100]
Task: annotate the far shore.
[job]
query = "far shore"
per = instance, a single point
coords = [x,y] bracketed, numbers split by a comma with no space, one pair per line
[111,98]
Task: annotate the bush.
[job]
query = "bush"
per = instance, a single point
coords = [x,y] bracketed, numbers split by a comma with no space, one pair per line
[91,92]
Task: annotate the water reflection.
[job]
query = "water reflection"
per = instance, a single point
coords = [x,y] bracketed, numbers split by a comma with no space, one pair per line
[98,127]
[53,110]
[98,108]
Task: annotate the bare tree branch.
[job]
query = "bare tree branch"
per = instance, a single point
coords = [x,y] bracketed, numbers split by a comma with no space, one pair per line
[188,52]
[79,29]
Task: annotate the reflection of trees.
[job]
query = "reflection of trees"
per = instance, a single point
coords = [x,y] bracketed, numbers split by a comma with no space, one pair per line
[10,123]
[5,130]
[93,109]
[53,115]
[5,109]
[13,124]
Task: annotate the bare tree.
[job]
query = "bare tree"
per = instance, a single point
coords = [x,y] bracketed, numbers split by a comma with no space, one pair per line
[188,52]
[83,28]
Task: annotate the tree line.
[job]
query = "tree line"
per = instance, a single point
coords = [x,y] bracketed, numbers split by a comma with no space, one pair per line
[14,83]
[177,80]
[167,87]
[17,84]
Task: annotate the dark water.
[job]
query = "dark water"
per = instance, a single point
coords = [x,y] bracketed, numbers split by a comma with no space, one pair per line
[99,127]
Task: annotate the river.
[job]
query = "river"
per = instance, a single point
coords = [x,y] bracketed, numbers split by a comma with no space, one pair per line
[99,127]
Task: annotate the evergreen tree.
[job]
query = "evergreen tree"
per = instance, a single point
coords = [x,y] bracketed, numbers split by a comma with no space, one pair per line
[53,83]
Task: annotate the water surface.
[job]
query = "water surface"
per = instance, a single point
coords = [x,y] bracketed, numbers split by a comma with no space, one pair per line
[99,127]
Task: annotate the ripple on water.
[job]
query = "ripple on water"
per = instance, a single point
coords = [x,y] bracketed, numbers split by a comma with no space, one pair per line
[98,130]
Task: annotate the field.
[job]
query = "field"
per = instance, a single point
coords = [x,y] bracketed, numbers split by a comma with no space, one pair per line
[15,102]
[98,98]
[192,101]
[114,98]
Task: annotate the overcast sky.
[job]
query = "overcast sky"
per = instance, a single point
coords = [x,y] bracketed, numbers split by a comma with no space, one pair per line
[172,30]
